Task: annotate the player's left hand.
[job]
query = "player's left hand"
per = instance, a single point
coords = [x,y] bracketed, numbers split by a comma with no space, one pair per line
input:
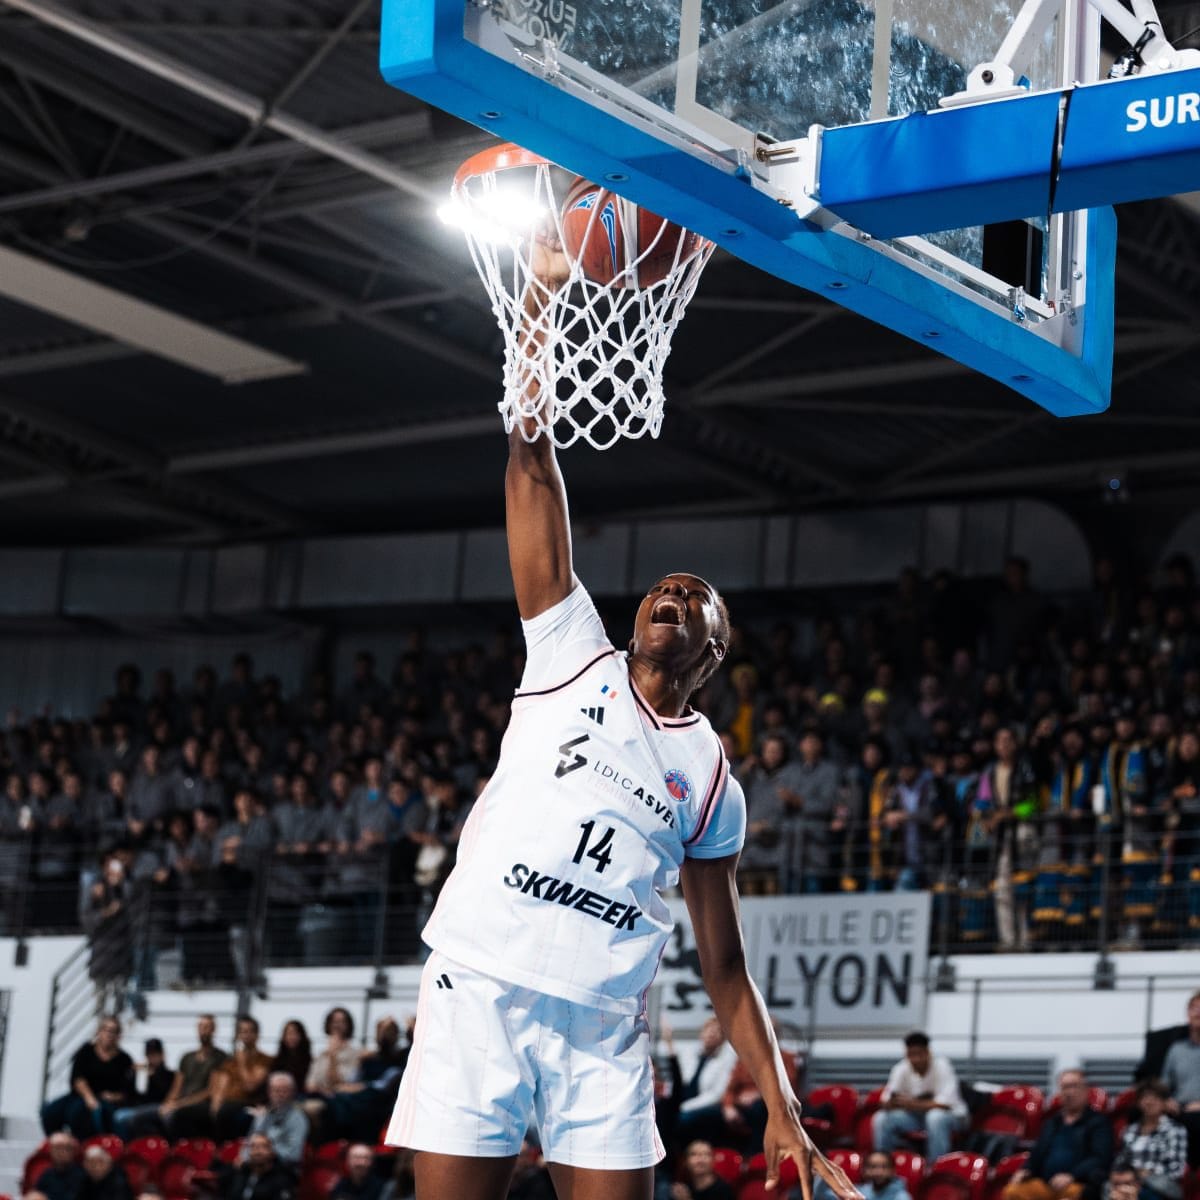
[784,1138]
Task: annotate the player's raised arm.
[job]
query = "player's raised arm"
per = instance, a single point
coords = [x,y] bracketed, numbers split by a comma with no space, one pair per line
[539,527]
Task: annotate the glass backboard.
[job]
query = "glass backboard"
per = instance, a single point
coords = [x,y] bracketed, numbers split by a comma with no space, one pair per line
[683,105]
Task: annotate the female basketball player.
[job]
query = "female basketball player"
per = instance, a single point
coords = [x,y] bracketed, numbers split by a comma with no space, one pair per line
[548,933]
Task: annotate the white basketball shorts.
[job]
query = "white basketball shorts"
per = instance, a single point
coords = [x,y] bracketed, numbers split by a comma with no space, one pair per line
[490,1059]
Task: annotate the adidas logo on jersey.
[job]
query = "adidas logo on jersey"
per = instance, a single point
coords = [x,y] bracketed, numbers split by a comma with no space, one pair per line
[443,981]
[594,714]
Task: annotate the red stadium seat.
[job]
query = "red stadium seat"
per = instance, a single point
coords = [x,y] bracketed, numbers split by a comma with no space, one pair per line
[35,1164]
[318,1180]
[1003,1173]
[955,1176]
[151,1149]
[789,1173]
[844,1102]
[1124,1110]
[331,1154]
[910,1167]
[141,1160]
[198,1151]
[728,1165]
[107,1141]
[230,1152]
[175,1177]
[864,1139]
[756,1189]
[820,1130]
[1012,1110]
[851,1161]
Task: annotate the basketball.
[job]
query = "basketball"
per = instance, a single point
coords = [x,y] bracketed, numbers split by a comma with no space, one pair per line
[595,222]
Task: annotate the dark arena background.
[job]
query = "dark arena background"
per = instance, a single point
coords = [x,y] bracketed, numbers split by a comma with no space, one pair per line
[258,642]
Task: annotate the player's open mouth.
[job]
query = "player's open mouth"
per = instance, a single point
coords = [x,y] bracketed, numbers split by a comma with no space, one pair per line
[668,610]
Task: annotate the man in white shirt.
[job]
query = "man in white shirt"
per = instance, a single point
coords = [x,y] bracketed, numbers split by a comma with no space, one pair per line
[706,1082]
[921,1094]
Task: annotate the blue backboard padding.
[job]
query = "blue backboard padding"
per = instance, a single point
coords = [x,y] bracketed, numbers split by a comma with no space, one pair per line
[423,51]
[1131,139]
[922,173]
[1113,146]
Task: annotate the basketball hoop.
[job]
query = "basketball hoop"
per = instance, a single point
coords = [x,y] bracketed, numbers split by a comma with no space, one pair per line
[583,360]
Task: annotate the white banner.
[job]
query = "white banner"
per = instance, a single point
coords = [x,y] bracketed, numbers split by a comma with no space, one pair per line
[845,964]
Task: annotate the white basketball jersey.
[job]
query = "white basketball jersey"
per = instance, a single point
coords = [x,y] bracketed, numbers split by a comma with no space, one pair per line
[592,809]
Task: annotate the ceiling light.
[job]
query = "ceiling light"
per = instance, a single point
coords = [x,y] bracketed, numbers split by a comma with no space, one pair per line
[118,315]
[499,217]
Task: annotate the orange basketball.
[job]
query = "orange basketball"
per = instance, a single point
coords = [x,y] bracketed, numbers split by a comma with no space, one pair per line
[595,222]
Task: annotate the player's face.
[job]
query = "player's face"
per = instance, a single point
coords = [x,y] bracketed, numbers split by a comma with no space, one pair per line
[676,618]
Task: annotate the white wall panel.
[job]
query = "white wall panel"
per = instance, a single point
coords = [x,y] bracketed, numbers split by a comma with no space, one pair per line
[1058,556]
[379,570]
[602,558]
[728,553]
[485,570]
[870,546]
[29,581]
[239,579]
[113,581]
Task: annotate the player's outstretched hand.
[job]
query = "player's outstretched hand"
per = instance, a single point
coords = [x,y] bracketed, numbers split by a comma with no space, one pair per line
[548,263]
[785,1137]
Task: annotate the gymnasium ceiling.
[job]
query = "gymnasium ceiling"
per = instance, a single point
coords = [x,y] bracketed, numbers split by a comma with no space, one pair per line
[777,400]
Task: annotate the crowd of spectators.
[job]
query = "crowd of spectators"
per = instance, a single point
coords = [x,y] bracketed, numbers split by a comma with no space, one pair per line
[1033,763]
[1081,1147]
[271,1109]
[269,1116]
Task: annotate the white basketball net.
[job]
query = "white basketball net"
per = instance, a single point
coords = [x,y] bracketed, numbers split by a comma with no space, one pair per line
[584,360]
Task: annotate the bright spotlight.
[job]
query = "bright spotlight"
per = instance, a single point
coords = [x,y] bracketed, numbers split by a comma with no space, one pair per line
[497,217]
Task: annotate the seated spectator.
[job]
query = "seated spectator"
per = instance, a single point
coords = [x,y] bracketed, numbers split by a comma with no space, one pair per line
[1153,1149]
[104,1180]
[742,1110]
[359,1181]
[880,1181]
[337,1063]
[360,1107]
[159,1077]
[702,1182]
[403,1184]
[921,1094]
[668,1092]
[705,1084]
[190,1093]
[102,1082]
[1181,1074]
[260,1176]
[1073,1150]
[282,1121]
[239,1082]
[63,1178]
[294,1054]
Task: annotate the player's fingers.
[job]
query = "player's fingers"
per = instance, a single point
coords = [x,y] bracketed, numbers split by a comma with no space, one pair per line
[804,1162]
[772,1180]
[833,1175]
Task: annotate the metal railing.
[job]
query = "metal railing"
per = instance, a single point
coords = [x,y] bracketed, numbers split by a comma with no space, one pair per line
[1054,882]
